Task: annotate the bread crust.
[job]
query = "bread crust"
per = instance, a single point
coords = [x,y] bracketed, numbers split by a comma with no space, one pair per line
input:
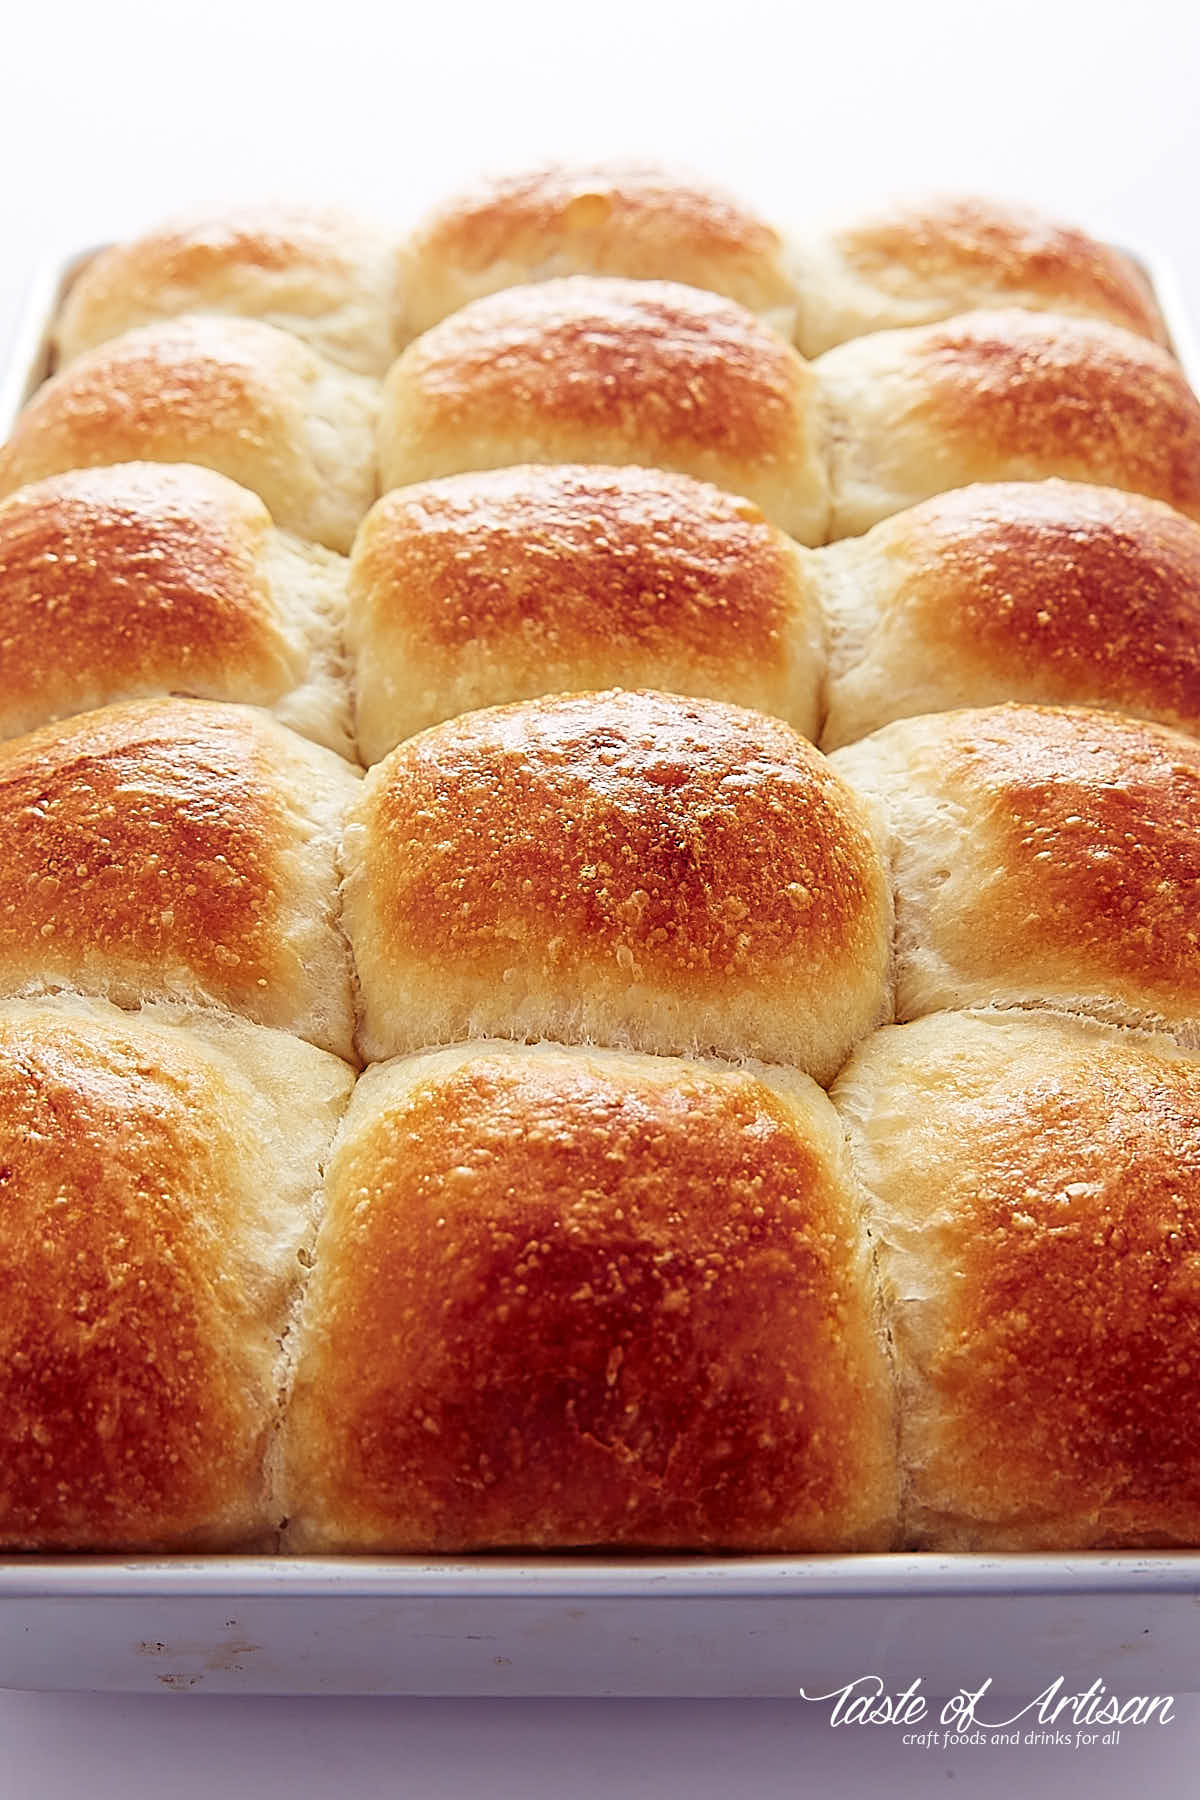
[1047,591]
[156,1192]
[997,396]
[629,867]
[1042,855]
[490,587]
[152,578]
[326,277]
[177,849]
[929,258]
[567,1297]
[231,394]
[590,369]
[620,218]
[1035,1196]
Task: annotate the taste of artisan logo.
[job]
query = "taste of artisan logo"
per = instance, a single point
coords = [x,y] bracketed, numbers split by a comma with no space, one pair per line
[1092,1716]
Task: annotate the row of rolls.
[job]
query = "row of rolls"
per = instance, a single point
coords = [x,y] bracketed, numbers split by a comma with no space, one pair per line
[998,347]
[479,589]
[630,867]
[611,1120]
[611,1268]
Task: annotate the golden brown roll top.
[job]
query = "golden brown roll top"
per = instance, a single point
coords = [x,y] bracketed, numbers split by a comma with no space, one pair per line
[629,868]
[567,1297]
[1000,396]
[924,260]
[1035,591]
[627,219]
[231,394]
[326,277]
[1035,1204]
[152,578]
[483,588]
[1041,855]
[158,1176]
[598,370]
[181,850]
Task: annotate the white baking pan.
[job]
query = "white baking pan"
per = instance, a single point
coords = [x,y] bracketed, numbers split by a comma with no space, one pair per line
[593,1625]
[492,1625]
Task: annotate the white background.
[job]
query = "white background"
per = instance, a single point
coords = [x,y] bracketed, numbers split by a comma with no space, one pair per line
[113,114]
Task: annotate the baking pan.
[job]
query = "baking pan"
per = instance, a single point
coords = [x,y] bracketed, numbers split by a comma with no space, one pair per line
[591,1625]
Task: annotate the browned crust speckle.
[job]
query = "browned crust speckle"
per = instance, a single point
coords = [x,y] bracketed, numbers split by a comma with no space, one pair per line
[142,840]
[622,209]
[170,392]
[1076,1254]
[625,219]
[133,576]
[647,361]
[944,241]
[1093,822]
[195,251]
[681,841]
[1068,591]
[1072,397]
[580,557]
[557,1305]
[128,1413]
[318,272]
[1044,1219]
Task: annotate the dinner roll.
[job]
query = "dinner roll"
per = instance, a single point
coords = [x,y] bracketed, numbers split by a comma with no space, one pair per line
[994,396]
[567,1297]
[182,850]
[629,219]
[324,276]
[1042,854]
[635,869]
[1035,1206]
[234,395]
[159,1175]
[608,371]
[927,259]
[151,578]
[502,585]
[1046,590]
